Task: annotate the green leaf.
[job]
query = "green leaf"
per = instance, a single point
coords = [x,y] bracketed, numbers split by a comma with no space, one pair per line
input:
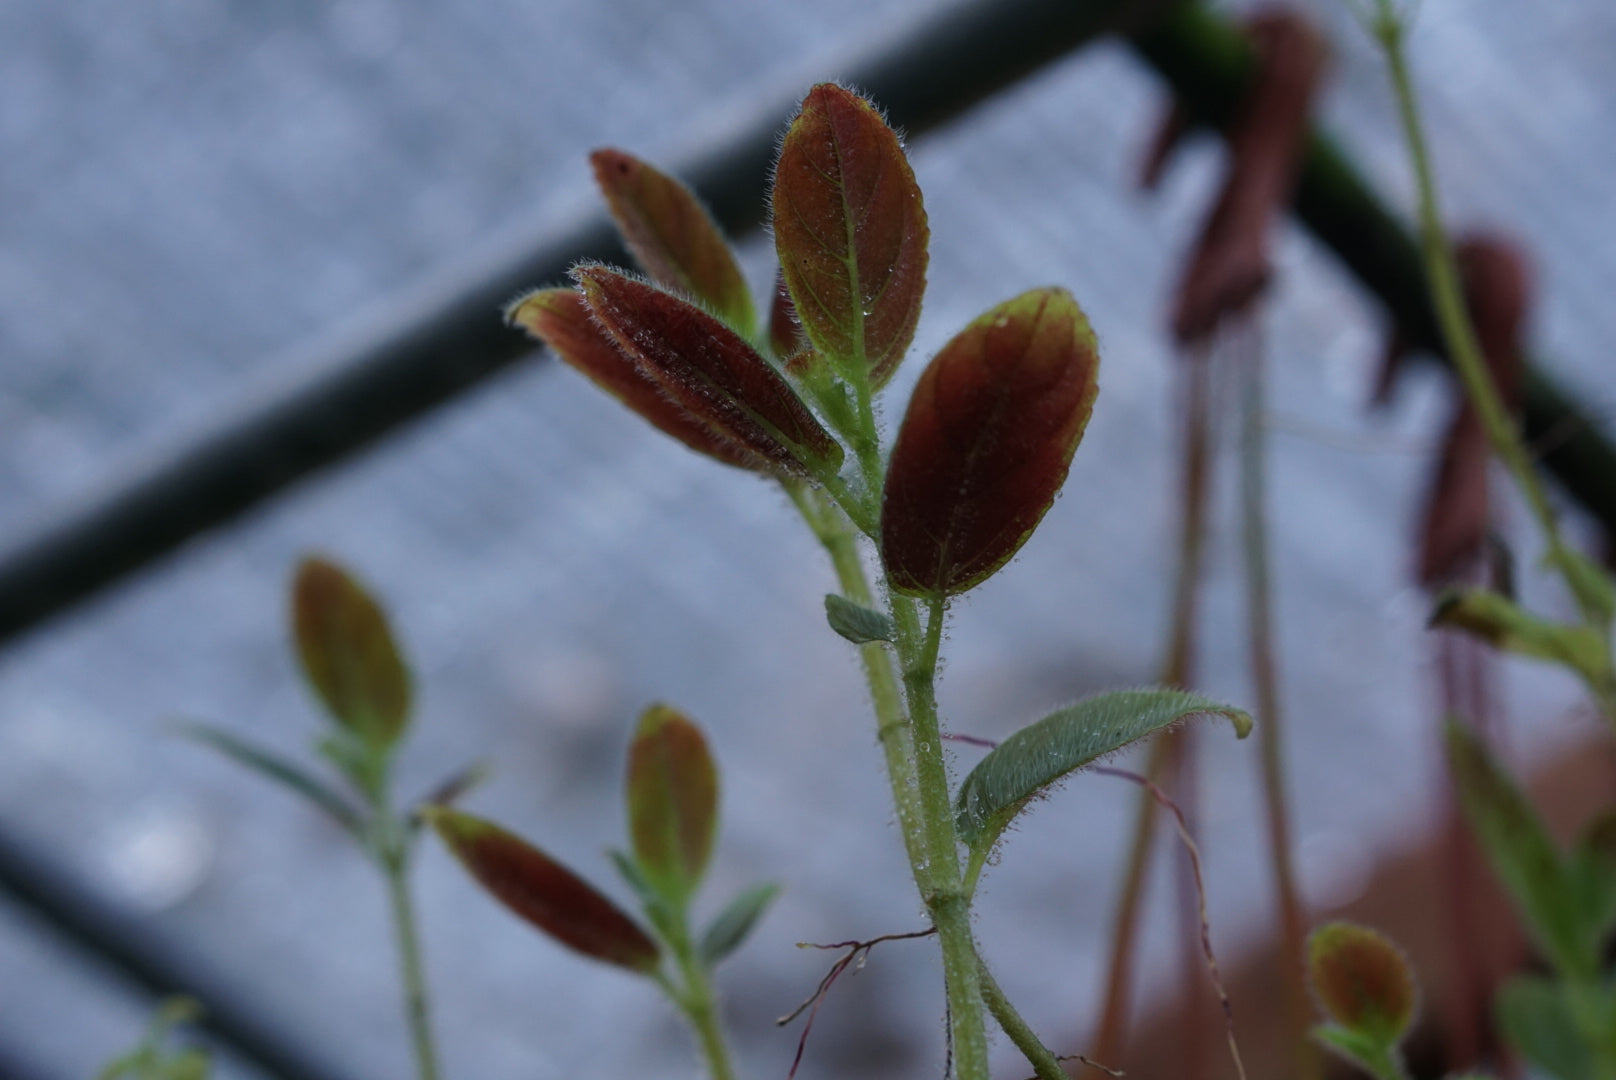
[651,902]
[1535,1018]
[857,623]
[1363,982]
[544,893]
[349,655]
[850,231]
[673,237]
[1593,866]
[726,932]
[1360,1050]
[1038,756]
[276,768]
[672,789]
[1521,853]
[1506,625]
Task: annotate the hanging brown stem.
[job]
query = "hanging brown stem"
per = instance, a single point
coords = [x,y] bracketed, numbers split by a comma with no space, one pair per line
[1161,798]
[857,953]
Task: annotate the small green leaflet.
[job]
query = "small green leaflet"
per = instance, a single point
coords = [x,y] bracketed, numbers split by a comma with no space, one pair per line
[855,622]
[1038,756]
[276,768]
[735,922]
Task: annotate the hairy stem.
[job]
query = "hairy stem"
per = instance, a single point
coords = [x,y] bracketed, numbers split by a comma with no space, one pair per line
[938,875]
[1043,1060]
[911,743]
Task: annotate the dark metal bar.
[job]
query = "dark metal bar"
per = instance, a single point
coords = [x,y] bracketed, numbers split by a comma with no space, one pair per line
[430,347]
[1206,61]
[149,963]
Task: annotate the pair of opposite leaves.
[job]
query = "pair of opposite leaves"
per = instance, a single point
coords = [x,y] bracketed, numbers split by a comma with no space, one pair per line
[993,422]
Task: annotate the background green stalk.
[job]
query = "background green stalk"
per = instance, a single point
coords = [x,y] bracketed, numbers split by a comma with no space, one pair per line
[697,1001]
[1269,715]
[1442,278]
[1112,1033]
[390,847]
[411,969]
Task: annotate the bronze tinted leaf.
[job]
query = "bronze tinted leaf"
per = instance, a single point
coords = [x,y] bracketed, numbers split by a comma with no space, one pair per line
[542,891]
[850,230]
[986,443]
[673,237]
[348,654]
[711,371]
[785,332]
[1363,981]
[672,788]
[561,319]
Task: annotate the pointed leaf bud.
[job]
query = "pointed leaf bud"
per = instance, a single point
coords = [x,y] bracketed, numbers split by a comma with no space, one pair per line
[348,654]
[672,788]
[543,892]
[986,443]
[850,230]
[561,319]
[711,371]
[673,236]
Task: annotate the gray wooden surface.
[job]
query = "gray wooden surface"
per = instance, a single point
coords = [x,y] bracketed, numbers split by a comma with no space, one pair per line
[192,188]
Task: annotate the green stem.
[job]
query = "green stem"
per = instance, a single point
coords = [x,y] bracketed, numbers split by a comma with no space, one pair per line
[700,1005]
[1264,672]
[1043,1060]
[938,876]
[1442,277]
[395,867]
[911,742]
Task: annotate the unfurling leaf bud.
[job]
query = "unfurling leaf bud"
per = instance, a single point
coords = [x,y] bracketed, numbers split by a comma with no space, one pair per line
[672,789]
[710,371]
[986,443]
[673,237]
[543,892]
[1362,981]
[560,318]
[850,231]
[348,654]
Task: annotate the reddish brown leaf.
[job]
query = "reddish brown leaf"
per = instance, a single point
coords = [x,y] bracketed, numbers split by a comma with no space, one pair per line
[1363,981]
[1229,266]
[348,653]
[543,892]
[785,332]
[1456,519]
[673,237]
[987,441]
[672,788]
[710,371]
[850,230]
[560,318]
